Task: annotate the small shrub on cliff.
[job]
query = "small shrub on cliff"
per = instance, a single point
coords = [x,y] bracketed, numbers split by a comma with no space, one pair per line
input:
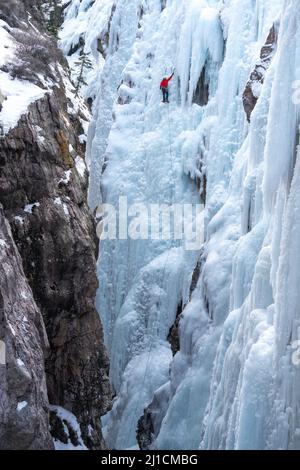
[36,55]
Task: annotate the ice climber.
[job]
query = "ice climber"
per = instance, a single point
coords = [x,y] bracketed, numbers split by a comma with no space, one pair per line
[164,88]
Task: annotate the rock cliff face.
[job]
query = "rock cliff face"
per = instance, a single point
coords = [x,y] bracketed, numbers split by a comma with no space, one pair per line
[23,397]
[43,183]
[257,77]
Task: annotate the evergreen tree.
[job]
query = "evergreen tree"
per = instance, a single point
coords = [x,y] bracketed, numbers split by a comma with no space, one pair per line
[85,63]
[54,10]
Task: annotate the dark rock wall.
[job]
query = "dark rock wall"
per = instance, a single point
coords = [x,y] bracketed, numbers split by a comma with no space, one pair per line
[23,394]
[56,240]
[258,74]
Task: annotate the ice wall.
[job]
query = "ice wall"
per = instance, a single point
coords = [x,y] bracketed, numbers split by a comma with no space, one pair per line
[254,375]
[234,383]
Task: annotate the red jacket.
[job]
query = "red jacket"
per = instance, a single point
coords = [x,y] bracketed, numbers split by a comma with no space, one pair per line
[165,81]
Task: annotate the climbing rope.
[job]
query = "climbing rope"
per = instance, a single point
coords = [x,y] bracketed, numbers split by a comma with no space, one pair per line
[171,159]
[162,277]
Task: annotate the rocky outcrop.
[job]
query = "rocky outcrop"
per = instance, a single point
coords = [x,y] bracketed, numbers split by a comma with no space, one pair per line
[173,336]
[201,94]
[44,198]
[257,77]
[23,398]
[43,185]
[145,430]
[2,99]
[15,10]
[150,422]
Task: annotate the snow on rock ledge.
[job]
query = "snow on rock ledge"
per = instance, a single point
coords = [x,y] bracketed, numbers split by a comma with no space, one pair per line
[15,95]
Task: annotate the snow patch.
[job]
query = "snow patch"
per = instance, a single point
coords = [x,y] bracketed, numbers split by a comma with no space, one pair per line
[18,94]
[80,166]
[59,202]
[3,243]
[71,419]
[67,177]
[19,219]
[29,207]
[21,405]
